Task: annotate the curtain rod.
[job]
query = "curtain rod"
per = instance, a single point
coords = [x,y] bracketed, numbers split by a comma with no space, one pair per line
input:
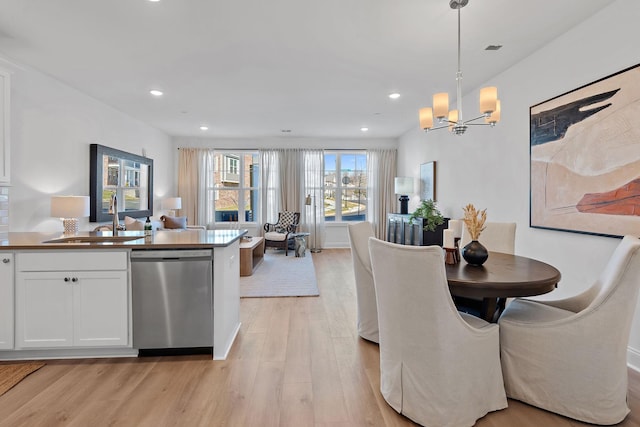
[258,149]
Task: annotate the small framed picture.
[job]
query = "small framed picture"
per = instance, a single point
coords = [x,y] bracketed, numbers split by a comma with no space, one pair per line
[428,181]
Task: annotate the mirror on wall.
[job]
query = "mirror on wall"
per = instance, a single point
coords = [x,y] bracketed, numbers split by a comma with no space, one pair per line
[127,175]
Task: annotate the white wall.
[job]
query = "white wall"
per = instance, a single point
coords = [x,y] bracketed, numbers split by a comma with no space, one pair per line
[52,126]
[490,167]
[335,235]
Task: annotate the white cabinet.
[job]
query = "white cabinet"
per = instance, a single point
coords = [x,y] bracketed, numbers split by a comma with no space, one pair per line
[6,300]
[72,299]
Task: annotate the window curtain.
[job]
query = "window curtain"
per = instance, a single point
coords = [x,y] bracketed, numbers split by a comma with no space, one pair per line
[288,175]
[270,185]
[195,167]
[381,171]
[313,161]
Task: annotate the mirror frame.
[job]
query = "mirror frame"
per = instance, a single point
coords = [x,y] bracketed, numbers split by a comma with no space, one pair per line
[96,174]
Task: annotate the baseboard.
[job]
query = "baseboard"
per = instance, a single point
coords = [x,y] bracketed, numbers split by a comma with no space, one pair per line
[633,359]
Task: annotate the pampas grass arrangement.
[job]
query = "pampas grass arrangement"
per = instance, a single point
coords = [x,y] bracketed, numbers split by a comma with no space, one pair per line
[474,220]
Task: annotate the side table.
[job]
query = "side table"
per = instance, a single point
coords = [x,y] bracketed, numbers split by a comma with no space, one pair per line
[300,242]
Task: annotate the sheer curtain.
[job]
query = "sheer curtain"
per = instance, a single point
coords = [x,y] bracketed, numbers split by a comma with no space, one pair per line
[381,171]
[195,167]
[313,161]
[270,185]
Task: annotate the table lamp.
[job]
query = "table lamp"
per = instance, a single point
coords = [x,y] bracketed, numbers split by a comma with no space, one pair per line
[404,186]
[69,209]
[172,204]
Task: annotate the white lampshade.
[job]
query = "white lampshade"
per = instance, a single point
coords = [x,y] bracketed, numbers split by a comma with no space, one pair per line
[495,116]
[440,105]
[488,99]
[426,118]
[173,203]
[69,206]
[403,185]
[453,119]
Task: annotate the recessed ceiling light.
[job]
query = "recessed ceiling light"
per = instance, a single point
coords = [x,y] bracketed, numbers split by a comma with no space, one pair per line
[156,92]
[285,130]
[203,127]
[394,95]
[364,129]
[154,1]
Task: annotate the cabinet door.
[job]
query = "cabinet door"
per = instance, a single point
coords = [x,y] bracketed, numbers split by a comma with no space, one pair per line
[4,127]
[6,300]
[44,307]
[100,301]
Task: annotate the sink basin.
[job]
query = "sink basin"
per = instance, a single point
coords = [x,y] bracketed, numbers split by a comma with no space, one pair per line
[93,239]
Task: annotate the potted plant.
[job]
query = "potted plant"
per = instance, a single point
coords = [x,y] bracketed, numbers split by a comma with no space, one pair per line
[431,214]
[433,222]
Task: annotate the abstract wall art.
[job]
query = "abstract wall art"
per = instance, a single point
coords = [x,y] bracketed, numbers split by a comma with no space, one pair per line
[585,158]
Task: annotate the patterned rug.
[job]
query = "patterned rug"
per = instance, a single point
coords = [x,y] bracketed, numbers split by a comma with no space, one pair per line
[281,276]
[12,374]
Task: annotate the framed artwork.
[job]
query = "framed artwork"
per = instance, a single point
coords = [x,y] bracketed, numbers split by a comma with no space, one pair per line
[585,158]
[428,181]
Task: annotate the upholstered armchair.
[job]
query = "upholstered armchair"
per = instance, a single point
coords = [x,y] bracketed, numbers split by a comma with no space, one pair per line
[438,367]
[569,356]
[359,234]
[279,235]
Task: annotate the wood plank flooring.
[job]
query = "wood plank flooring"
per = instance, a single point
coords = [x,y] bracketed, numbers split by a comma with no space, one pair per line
[297,362]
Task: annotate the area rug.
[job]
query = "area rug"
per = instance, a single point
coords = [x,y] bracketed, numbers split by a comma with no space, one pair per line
[281,276]
[13,373]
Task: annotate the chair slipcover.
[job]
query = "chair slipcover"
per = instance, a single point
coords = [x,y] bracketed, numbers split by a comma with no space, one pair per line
[359,234]
[496,237]
[435,368]
[570,356]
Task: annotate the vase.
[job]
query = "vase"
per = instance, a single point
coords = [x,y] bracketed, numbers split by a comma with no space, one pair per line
[474,253]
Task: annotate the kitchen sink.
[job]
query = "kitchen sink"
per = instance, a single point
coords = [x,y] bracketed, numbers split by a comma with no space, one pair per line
[93,239]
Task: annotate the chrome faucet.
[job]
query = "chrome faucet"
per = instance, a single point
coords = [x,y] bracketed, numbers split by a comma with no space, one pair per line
[113,210]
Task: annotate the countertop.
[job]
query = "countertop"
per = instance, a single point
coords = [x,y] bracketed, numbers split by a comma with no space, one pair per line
[160,239]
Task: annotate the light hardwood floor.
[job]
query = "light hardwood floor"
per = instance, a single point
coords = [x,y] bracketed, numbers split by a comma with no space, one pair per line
[297,362]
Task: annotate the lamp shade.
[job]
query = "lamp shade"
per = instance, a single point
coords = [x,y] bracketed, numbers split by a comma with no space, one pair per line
[441,105]
[495,116]
[488,99]
[426,118]
[403,185]
[173,203]
[69,206]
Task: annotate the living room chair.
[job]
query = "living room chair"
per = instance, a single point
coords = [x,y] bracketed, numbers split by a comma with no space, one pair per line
[280,234]
[570,356]
[438,367]
[359,234]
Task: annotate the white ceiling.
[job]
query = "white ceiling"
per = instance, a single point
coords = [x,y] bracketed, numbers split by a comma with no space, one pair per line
[250,68]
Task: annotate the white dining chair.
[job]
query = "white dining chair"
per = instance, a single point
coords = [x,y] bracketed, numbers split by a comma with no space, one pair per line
[367,320]
[437,367]
[496,237]
[570,356]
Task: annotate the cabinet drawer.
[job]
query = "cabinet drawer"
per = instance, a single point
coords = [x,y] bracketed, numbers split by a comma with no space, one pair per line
[70,260]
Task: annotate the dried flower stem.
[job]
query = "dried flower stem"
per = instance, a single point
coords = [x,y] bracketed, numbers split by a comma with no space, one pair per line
[474,220]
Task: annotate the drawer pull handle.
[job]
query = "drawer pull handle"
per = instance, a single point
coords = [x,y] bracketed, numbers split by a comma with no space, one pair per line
[66,279]
[75,279]
[6,260]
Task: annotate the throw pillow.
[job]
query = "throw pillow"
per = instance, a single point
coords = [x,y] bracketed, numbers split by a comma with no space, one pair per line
[133,224]
[174,221]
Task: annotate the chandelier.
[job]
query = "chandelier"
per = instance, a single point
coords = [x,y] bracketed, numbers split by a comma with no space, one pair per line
[453,120]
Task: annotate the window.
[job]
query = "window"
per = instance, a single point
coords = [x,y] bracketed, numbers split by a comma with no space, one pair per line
[234,186]
[345,186]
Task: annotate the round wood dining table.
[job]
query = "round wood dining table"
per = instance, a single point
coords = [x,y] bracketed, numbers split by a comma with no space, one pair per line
[501,276]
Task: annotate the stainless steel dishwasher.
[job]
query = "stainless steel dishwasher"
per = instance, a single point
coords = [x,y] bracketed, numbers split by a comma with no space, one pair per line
[172,298]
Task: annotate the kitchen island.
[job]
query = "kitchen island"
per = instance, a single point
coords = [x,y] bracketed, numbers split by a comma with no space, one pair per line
[71,296]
